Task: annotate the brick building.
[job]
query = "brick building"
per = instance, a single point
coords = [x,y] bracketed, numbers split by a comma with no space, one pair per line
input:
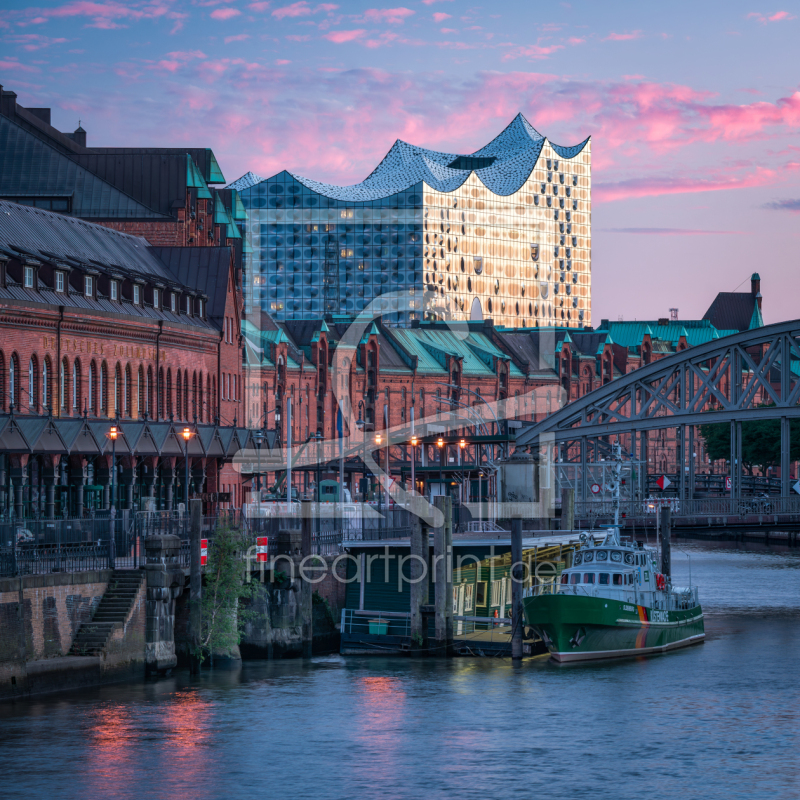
[98,327]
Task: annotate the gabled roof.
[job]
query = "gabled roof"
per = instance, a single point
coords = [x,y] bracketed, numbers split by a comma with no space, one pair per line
[30,166]
[731,310]
[503,166]
[206,269]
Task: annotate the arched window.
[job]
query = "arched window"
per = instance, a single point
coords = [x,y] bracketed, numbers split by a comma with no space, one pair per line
[13,381]
[179,397]
[117,390]
[200,396]
[186,394]
[194,395]
[91,388]
[169,391]
[126,391]
[2,381]
[62,400]
[140,392]
[46,383]
[215,404]
[209,399]
[148,391]
[76,384]
[32,381]
[160,393]
[104,388]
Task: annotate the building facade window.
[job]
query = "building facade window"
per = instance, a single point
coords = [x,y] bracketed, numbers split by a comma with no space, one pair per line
[155,298]
[46,383]
[59,281]
[136,292]
[173,302]
[28,279]
[88,286]
[114,291]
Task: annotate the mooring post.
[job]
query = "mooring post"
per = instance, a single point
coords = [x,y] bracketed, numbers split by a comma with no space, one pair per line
[195,584]
[517,627]
[443,576]
[440,581]
[567,509]
[666,529]
[419,582]
[306,606]
[448,572]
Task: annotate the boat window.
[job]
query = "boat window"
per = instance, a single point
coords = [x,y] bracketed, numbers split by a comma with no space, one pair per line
[616,555]
[587,557]
[578,558]
[618,579]
[575,578]
[629,558]
[604,578]
[588,577]
[630,577]
[565,578]
[602,555]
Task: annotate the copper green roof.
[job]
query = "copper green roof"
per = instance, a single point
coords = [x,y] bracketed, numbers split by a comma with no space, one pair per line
[195,180]
[631,334]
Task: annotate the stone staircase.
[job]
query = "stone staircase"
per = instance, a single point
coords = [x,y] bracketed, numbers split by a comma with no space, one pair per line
[113,609]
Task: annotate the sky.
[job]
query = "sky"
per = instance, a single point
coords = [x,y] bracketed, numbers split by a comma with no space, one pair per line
[693,109]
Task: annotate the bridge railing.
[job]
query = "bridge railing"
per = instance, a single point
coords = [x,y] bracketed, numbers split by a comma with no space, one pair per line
[647,510]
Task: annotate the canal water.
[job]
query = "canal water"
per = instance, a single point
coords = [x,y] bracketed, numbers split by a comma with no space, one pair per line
[721,720]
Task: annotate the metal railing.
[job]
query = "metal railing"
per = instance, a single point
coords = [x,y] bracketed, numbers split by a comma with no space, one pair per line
[676,598]
[647,509]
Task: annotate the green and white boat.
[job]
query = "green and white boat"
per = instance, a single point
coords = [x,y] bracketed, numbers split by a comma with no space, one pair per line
[612,602]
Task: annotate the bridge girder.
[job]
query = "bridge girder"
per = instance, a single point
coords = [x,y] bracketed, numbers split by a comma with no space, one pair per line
[726,380]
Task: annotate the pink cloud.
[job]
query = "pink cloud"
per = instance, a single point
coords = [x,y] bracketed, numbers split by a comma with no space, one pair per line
[298,38]
[575,40]
[534,51]
[33,41]
[623,37]
[340,37]
[225,13]
[238,38]
[448,30]
[440,16]
[262,5]
[282,62]
[778,16]
[431,2]
[659,186]
[12,64]
[299,9]
[394,16]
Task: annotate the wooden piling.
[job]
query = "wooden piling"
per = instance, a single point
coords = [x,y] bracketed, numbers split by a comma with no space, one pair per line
[306,588]
[443,576]
[419,583]
[666,545]
[195,584]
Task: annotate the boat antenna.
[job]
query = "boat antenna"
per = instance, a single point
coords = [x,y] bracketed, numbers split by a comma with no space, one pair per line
[616,450]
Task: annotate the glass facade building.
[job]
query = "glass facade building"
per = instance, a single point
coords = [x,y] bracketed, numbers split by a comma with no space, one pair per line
[503,233]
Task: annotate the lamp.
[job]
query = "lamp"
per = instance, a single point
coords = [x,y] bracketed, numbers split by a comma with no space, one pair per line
[187,434]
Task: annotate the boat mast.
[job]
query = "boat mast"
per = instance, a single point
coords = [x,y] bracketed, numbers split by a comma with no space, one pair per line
[616,449]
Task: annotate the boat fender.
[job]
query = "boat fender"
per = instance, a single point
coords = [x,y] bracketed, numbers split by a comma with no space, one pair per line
[661,582]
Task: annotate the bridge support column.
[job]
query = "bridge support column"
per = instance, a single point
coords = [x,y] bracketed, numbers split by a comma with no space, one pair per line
[738,481]
[785,449]
[692,456]
[683,462]
[584,476]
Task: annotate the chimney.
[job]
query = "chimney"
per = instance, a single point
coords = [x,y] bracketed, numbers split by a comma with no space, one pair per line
[40,113]
[755,283]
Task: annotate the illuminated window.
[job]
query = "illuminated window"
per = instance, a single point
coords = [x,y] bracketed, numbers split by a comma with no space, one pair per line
[28,279]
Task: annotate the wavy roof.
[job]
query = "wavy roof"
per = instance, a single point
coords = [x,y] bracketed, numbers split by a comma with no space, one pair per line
[512,155]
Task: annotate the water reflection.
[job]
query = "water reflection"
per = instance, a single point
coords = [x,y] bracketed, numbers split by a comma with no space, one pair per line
[715,721]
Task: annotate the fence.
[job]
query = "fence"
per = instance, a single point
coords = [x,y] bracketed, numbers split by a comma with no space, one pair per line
[646,510]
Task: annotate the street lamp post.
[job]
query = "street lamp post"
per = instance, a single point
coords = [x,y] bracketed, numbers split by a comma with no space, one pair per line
[187,434]
[258,438]
[462,452]
[112,434]
[440,445]
[413,453]
[380,503]
[360,426]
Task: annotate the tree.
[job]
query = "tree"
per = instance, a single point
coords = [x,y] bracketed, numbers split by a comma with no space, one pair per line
[761,442]
[225,585]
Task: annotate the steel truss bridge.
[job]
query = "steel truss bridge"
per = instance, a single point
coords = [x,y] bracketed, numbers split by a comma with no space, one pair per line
[751,375]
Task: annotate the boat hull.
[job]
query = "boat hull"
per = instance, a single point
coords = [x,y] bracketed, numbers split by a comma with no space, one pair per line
[580,628]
